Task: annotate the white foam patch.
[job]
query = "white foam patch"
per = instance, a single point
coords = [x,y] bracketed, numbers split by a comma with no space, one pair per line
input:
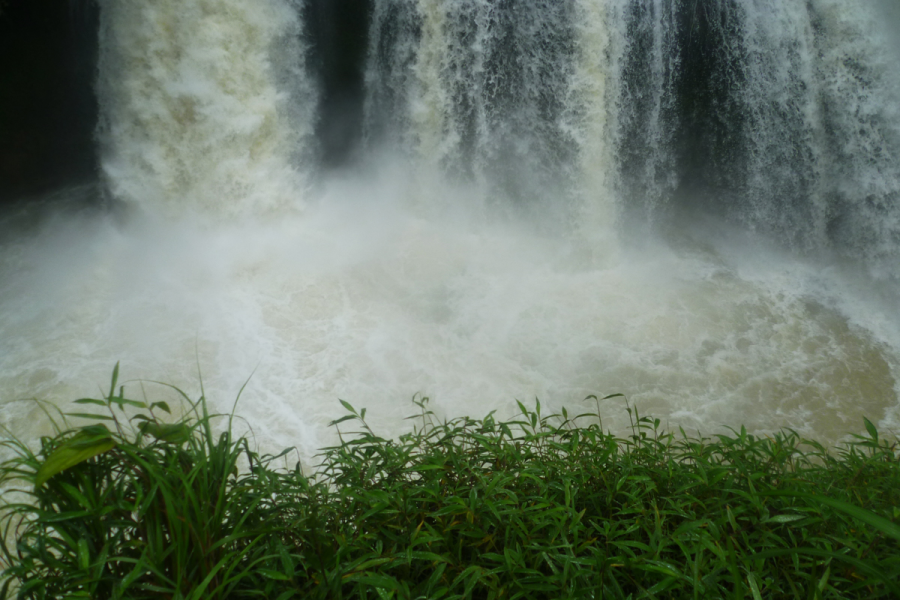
[370,302]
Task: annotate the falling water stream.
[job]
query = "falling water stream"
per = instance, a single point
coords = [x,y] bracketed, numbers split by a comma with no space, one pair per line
[693,204]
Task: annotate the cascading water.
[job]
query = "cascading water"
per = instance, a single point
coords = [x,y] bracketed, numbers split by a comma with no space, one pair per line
[649,111]
[205,105]
[556,204]
[511,95]
[861,118]
[792,127]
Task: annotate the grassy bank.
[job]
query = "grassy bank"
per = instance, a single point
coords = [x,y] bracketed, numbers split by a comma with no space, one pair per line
[544,506]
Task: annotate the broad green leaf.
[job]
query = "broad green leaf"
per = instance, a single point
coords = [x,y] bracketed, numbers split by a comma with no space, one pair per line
[662,586]
[661,567]
[84,555]
[122,402]
[375,510]
[823,582]
[87,443]
[372,563]
[754,587]
[173,433]
[115,378]
[378,581]
[384,594]
[879,523]
[90,401]
[341,420]
[75,494]
[784,518]
[286,562]
[522,408]
[864,566]
[64,516]
[88,434]
[272,574]
[162,406]
[873,433]
[431,556]
[89,416]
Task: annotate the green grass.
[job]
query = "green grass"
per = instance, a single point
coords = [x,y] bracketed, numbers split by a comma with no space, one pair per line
[543,506]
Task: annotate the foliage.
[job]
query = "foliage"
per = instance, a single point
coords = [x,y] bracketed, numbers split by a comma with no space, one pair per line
[537,507]
[149,510]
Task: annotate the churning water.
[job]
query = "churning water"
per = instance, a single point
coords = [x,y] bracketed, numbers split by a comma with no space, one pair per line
[694,204]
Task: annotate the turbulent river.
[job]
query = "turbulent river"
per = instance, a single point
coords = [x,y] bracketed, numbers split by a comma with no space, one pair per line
[694,204]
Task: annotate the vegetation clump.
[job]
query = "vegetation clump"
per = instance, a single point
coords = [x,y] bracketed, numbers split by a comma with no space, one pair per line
[542,506]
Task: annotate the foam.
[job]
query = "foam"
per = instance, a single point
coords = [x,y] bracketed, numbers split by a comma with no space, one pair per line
[364,300]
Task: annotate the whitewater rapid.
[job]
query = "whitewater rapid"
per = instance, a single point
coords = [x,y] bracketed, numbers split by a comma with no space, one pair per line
[362,301]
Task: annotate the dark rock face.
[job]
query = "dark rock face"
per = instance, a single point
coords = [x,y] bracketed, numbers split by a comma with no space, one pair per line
[338,33]
[48,111]
[48,108]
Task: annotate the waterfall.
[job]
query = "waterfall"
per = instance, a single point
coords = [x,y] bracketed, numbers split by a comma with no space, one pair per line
[860,102]
[781,133]
[783,116]
[205,105]
[798,124]
[649,115]
[780,115]
[512,95]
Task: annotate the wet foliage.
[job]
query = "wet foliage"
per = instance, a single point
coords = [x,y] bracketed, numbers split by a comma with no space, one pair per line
[141,505]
